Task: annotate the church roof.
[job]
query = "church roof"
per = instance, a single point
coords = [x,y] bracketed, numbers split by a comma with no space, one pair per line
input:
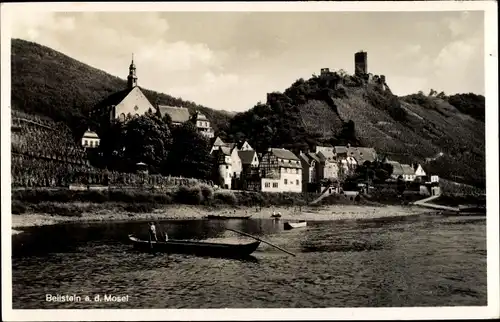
[177,114]
[113,99]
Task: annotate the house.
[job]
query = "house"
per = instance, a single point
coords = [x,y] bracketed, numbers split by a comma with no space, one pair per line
[248,159]
[203,125]
[218,143]
[223,163]
[323,148]
[419,171]
[128,102]
[328,166]
[178,115]
[408,172]
[340,151]
[90,139]
[228,163]
[280,171]
[397,169]
[362,154]
[245,146]
[310,165]
[249,169]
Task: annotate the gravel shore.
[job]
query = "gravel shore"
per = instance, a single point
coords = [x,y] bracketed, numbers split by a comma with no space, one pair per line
[333,212]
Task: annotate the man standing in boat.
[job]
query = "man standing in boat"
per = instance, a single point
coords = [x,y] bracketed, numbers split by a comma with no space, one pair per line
[152,232]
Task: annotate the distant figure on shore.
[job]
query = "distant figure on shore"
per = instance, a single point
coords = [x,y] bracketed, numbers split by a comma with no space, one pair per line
[166,236]
[152,232]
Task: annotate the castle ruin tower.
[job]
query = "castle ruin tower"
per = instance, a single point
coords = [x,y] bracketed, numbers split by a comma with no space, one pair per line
[131,78]
[360,63]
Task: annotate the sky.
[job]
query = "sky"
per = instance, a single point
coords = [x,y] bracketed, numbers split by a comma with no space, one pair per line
[231,60]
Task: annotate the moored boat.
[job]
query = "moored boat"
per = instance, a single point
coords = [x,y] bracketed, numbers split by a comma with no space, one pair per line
[227,217]
[292,225]
[195,247]
[472,209]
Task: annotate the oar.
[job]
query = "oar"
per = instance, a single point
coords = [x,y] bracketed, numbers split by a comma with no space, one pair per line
[257,238]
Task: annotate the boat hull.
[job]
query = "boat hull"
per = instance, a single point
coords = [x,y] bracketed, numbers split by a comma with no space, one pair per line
[195,248]
[293,225]
[227,217]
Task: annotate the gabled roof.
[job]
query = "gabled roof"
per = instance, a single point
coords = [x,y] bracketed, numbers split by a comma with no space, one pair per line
[407,169]
[326,155]
[113,99]
[240,145]
[340,149]
[283,154]
[177,114]
[362,154]
[90,134]
[247,156]
[313,156]
[397,168]
[305,158]
[225,150]
[202,117]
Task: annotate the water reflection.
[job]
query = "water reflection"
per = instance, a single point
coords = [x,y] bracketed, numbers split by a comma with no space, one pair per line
[406,261]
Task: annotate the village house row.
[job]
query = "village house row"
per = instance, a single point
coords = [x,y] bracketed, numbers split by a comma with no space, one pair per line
[280,170]
[239,165]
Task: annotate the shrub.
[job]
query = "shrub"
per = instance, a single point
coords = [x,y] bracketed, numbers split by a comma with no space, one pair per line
[226,197]
[18,207]
[207,193]
[51,208]
[189,195]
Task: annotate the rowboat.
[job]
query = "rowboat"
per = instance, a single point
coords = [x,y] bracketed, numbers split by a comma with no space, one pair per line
[292,225]
[227,217]
[472,209]
[195,247]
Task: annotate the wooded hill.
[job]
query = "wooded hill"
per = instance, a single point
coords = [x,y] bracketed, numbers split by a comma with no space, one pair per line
[444,133]
[49,83]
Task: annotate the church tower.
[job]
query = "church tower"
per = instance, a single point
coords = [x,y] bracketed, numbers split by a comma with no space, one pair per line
[132,78]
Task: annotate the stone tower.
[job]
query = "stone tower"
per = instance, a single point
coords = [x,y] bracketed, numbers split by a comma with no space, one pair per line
[360,63]
[131,78]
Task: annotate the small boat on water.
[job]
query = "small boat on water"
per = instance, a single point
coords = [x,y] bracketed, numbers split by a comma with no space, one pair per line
[293,225]
[227,217]
[195,247]
[472,209]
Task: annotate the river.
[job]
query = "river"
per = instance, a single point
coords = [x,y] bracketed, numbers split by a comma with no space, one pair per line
[423,260]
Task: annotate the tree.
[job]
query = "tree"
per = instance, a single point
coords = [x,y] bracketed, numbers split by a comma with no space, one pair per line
[190,154]
[146,139]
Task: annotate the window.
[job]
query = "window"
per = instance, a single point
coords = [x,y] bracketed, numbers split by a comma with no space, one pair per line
[91,143]
[97,143]
[275,185]
[227,167]
[286,181]
[296,171]
[86,143]
[297,182]
[268,185]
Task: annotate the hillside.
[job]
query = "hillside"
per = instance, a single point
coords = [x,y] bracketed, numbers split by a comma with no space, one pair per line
[49,83]
[416,128]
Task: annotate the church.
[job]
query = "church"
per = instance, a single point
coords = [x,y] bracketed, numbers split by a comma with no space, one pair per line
[128,101]
[132,101]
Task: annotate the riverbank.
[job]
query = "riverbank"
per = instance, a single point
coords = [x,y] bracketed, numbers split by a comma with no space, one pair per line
[177,212]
